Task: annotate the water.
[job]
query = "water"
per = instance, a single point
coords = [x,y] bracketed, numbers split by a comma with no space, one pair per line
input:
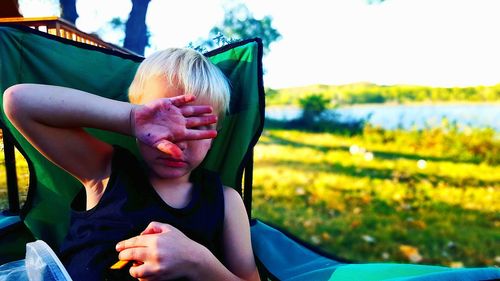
[409,116]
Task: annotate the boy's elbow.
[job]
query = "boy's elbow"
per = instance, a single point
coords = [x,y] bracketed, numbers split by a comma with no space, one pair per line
[12,98]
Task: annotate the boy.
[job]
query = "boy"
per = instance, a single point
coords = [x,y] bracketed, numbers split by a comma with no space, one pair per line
[176,218]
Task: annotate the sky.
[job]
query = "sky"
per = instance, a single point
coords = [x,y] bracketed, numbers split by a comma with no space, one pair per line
[442,43]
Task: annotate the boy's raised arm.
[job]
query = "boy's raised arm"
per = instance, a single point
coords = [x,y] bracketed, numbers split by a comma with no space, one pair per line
[52,119]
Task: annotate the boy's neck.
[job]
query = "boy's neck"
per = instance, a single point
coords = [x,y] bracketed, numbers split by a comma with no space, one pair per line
[175,192]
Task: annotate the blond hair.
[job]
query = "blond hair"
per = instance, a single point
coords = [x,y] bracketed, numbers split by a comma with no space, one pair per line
[189,70]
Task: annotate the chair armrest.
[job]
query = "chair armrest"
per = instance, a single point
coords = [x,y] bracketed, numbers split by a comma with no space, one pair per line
[8,221]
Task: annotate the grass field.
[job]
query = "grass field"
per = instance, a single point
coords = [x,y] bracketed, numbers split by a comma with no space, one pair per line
[365,200]
[22,179]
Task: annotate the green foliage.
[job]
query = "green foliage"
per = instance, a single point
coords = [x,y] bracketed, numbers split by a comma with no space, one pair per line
[312,107]
[117,23]
[478,145]
[312,119]
[314,103]
[371,93]
[239,24]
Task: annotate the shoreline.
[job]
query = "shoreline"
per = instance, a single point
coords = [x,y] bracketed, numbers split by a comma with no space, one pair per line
[426,103]
[438,103]
[392,115]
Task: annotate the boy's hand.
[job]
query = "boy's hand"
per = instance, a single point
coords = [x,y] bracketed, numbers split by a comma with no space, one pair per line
[163,122]
[161,252]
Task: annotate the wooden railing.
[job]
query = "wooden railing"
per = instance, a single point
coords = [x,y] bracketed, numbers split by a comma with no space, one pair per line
[62,28]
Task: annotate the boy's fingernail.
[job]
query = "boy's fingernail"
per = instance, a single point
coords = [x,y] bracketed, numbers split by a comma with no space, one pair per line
[176,154]
[118,246]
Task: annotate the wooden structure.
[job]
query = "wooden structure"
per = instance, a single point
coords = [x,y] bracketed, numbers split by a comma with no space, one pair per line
[62,28]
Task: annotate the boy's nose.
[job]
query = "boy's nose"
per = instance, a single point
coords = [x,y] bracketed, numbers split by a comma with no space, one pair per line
[182,145]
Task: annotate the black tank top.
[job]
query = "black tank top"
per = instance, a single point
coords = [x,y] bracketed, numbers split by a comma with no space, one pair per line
[127,206]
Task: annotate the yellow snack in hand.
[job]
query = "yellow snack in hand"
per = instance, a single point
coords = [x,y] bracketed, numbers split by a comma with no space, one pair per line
[119,265]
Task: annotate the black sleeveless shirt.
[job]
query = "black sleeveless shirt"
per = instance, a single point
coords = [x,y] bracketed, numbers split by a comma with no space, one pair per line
[127,206]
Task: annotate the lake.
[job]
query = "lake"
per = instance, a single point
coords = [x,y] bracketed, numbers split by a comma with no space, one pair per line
[408,116]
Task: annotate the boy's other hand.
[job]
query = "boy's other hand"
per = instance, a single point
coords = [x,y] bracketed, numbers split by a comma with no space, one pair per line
[160,252]
[163,122]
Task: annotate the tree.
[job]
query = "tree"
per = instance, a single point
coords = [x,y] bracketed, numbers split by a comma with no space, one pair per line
[136,31]
[68,9]
[312,107]
[239,23]
[9,8]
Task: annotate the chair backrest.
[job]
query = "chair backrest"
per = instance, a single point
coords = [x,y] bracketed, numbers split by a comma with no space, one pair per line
[29,56]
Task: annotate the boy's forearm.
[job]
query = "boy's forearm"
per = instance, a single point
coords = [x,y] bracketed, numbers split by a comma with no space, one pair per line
[64,107]
[208,267]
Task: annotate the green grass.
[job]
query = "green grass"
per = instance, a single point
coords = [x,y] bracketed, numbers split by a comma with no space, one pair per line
[380,209]
[22,179]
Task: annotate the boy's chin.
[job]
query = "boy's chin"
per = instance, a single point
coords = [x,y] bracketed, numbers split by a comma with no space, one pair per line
[170,173]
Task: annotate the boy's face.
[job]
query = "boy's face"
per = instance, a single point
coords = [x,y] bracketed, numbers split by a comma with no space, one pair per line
[162,165]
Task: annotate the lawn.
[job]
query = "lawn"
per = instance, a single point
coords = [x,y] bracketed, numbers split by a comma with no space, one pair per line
[365,200]
[22,179]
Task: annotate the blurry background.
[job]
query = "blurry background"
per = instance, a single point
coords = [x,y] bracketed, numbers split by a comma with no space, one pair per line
[382,134]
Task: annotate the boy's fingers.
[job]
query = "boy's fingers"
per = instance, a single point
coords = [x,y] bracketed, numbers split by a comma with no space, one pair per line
[181,100]
[193,110]
[141,271]
[149,231]
[192,122]
[133,254]
[169,148]
[155,227]
[200,134]
[136,241]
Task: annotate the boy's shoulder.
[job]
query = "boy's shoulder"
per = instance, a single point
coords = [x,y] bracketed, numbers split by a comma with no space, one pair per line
[231,193]
[232,199]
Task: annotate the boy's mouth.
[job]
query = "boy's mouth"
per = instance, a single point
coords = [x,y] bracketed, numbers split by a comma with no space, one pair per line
[174,163]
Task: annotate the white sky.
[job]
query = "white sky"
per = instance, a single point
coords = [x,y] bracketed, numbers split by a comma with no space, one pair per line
[425,42]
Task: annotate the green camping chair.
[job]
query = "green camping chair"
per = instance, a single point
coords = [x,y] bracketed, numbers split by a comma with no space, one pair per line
[29,56]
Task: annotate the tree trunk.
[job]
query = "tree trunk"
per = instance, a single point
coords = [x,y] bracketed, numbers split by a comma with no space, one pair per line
[69,12]
[136,31]
[9,9]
